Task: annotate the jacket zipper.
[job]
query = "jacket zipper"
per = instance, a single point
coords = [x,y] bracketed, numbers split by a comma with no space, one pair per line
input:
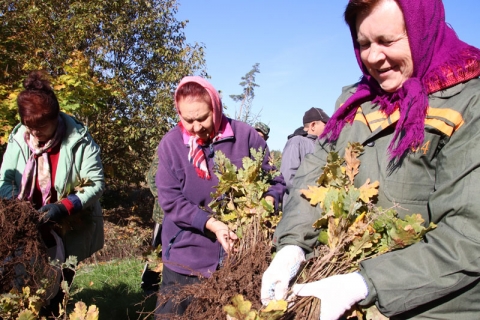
[71,164]
[21,150]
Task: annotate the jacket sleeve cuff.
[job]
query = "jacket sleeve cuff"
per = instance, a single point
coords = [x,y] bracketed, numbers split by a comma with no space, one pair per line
[68,205]
[72,203]
[200,220]
[372,293]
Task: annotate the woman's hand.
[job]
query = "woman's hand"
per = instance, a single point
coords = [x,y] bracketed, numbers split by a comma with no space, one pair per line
[270,200]
[225,236]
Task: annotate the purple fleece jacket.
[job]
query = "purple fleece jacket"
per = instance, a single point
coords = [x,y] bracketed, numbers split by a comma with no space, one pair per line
[181,193]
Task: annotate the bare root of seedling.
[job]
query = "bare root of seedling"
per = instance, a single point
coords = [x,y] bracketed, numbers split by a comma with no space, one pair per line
[23,257]
[241,274]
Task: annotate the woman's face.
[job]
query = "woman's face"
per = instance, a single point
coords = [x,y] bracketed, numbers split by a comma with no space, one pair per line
[197,116]
[384,46]
[44,132]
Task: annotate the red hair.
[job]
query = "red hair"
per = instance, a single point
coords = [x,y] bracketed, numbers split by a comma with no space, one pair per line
[37,104]
[357,7]
[193,90]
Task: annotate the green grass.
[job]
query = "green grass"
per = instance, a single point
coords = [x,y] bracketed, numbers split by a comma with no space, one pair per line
[114,287]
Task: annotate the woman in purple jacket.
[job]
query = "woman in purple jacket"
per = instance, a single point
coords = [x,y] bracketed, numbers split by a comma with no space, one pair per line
[193,241]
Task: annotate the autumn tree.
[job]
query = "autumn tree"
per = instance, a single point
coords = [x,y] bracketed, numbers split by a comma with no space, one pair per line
[245,99]
[114,64]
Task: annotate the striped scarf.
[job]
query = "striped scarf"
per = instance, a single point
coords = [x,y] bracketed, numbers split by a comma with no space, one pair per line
[38,167]
[196,155]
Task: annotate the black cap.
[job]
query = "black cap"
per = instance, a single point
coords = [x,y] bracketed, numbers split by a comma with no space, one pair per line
[315,114]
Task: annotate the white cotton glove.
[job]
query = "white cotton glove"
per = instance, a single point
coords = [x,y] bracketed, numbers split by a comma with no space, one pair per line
[337,293]
[283,268]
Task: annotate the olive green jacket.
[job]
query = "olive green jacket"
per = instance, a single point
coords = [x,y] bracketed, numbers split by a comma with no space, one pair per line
[437,278]
[79,157]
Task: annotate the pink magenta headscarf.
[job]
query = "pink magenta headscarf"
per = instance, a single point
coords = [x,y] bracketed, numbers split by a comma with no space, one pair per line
[440,60]
[214,97]
[222,127]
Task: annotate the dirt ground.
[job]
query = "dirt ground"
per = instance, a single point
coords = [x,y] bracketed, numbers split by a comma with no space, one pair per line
[128,224]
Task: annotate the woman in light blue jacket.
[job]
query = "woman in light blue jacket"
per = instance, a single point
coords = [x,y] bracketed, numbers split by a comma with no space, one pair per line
[52,161]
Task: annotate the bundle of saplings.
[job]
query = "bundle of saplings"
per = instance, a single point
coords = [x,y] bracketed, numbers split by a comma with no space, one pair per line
[351,229]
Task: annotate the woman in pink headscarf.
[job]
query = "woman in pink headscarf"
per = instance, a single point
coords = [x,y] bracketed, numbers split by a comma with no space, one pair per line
[416,111]
[194,243]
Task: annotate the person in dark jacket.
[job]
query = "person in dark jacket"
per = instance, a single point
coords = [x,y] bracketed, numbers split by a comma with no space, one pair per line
[301,143]
[194,242]
[416,111]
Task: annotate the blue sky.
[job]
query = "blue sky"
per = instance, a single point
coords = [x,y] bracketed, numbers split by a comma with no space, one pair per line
[303,48]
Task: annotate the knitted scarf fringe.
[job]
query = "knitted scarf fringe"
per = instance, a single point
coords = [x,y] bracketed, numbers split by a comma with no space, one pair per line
[459,68]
